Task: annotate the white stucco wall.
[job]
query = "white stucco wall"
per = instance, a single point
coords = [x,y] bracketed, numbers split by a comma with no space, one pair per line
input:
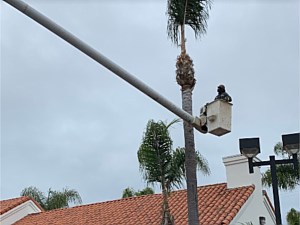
[18,212]
[237,172]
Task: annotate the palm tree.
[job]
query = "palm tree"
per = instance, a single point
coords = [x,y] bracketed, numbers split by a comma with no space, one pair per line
[193,13]
[293,217]
[145,191]
[54,199]
[130,192]
[287,177]
[159,163]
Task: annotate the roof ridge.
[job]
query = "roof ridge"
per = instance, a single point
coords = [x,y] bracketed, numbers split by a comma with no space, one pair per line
[135,197]
[18,201]
[11,199]
[105,202]
[8,204]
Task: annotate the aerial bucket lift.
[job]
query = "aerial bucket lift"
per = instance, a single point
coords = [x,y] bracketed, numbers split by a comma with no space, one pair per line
[215,118]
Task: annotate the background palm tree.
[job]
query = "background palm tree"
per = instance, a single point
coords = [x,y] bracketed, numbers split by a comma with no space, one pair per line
[287,177]
[54,199]
[293,217]
[193,13]
[130,192]
[145,191]
[160,163]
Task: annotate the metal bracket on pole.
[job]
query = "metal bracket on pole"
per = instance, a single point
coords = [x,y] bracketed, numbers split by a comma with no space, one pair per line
[199,124]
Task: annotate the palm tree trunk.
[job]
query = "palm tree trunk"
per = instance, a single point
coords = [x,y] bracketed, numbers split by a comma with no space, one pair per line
[182,30]
[182,44]
[167,217]
[190,160]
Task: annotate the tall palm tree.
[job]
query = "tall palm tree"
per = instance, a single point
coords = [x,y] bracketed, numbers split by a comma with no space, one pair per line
[54,199]
[159,163]
[193,13]
[287,177]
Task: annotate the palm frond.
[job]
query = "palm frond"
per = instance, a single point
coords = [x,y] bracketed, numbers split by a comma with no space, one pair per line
[176,173]
[158,161]
[202,164]
[61,199]
[278,149]
[128,192]
[286,175]
[55,199]
[145,191]
[193,13]
[172,122]
[154,153]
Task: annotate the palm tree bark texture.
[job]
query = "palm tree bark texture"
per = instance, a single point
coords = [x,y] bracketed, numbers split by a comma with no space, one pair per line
[190,154]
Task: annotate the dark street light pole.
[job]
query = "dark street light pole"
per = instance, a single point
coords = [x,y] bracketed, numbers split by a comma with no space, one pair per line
[249,147]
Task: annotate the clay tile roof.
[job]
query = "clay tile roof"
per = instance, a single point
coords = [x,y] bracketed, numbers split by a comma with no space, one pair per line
[217,205]
[6,205]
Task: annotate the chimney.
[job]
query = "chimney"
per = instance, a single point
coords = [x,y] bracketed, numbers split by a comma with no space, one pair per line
[237,172]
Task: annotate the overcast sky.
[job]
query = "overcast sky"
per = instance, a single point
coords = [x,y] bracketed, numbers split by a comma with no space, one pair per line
[68,122]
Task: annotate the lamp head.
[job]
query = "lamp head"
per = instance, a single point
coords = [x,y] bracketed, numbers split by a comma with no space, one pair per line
[249,147]
[290,143]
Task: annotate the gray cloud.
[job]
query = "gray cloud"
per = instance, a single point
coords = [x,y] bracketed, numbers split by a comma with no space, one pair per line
[67,121]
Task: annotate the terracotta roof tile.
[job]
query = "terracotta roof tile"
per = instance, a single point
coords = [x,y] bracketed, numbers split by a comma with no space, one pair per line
[217,205]
[6,205]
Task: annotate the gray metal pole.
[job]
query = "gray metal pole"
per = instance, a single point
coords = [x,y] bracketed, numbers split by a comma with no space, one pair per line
[94,54]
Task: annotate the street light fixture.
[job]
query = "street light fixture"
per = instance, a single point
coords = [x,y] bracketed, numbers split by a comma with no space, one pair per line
[250,148]
[291,143]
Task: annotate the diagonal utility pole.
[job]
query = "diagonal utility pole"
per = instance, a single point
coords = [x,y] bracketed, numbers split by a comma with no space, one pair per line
[98,57]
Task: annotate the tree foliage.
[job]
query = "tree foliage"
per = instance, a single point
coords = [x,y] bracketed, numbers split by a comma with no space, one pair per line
[193,13]
[293,217]
[159,163]
[145,191]
[53,199]
[130,192]
[287,177]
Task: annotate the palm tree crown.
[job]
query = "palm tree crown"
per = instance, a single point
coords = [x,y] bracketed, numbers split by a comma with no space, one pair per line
[155,153]
[54,199]
[193,13]
[159,163]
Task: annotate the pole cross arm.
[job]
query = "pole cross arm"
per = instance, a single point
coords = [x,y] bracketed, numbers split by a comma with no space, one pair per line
[98,57]
[293,161]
